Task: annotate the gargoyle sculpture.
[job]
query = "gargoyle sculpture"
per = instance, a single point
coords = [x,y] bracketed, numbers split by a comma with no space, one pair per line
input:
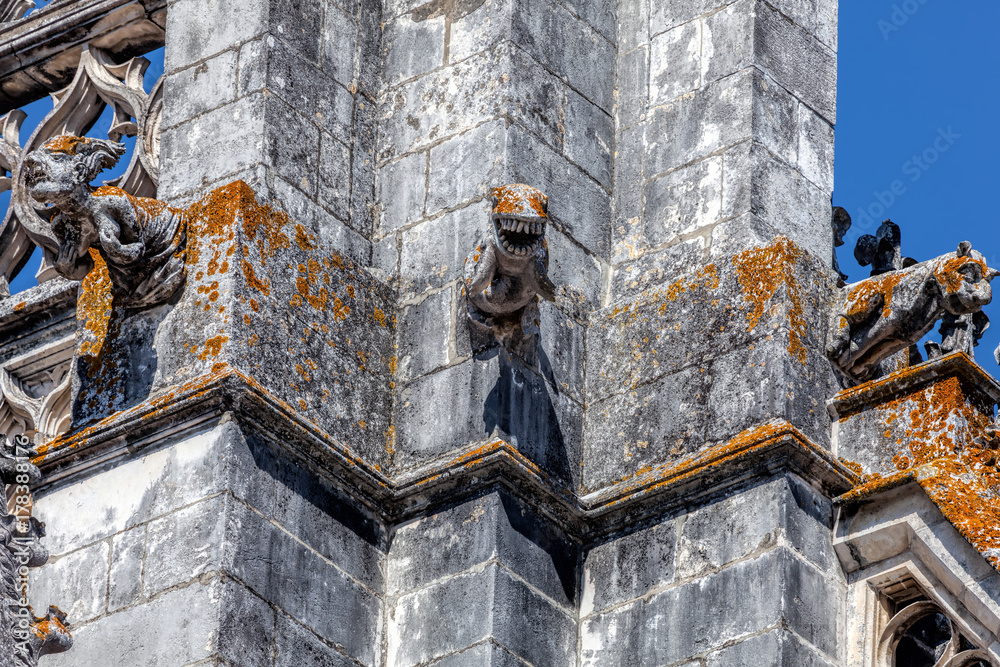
[141,240]
[894,310]
[509,269]
[24,637]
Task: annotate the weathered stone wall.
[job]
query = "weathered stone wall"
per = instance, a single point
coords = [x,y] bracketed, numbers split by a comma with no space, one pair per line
[281,95]
[211,544]
[751,578]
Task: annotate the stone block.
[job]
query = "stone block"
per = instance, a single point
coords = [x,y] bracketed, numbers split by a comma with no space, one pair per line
[433,252]
[364,203]
[199,88]
[658,268]
[285,572]
[469,608]
[778,647]
[561,351]
[441,619]
[128,551]
[797,61]
[298,23]
[327,520]
[482,655]
[633,86]
[481,29]
[185,545]
[578,206]
[628,566]
[334,178]
[633,24]
[683,201]
[568,47]
[654,423]
[297,646]
[530,626]
[779,197]
[416,115]
[675,63]
[132,493]
[291,145]
[729,43]
[694,618]
[202,28]
[224,141]
[187,629]
[467,167]
[784,510]
[489,397]
[369,79]
[424,332]
[627,240]
[601,15]
[712,118]
[494,527]
[340,45]
[402,187]
[413,45]
[246,635]
[589,137]
[251,75]
[816,141]
[77,583]
[669,14]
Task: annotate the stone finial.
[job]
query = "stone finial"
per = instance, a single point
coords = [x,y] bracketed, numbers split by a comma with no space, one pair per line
[23,636]
[841,223]
[141,240]
[959,333]
[882,251]
[895,309]
[508,269]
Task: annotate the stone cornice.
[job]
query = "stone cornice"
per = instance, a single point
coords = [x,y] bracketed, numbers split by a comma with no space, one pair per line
[759,452]
[38,54]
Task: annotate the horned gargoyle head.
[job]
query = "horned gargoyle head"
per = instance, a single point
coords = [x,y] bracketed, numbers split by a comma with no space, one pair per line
[518,218]
[965,281]
[64,166]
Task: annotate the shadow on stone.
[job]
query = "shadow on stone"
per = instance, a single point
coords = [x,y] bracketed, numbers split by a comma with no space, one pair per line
[521,408]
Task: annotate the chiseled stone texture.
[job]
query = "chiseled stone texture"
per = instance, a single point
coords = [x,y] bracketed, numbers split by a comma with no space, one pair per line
[758,561]
[215,535]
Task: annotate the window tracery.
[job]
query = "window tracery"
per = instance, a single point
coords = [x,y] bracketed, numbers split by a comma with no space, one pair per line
[919,633]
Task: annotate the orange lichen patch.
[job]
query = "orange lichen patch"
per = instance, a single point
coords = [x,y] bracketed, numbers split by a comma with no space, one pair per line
[707,278]
[854,467]
[761,272]
[867,295]
[66,143]
[340,311]
[20,306]
[933,422]
[379,317]
[303,238]
[253,281]
[519,200]
[949,273]
[213,346]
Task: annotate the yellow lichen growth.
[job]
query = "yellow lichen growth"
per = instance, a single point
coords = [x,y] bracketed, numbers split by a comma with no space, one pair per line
[864,297]
[761,272]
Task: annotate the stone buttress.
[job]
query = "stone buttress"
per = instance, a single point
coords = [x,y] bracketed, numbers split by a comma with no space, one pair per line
[317,452]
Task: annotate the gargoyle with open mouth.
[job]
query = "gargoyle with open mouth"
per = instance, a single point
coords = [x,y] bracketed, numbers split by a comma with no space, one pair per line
[508,269]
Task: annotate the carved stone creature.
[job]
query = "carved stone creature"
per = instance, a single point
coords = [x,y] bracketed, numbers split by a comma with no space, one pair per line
[24,637]
[959,333]
[888,313]
[141,240]
[509,268]
[882,251]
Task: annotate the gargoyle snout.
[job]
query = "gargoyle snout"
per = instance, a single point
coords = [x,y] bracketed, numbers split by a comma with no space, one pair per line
[34,171]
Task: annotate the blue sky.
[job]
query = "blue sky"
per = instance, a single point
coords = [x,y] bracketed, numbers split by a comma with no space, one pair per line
[918,133]
[910,74]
